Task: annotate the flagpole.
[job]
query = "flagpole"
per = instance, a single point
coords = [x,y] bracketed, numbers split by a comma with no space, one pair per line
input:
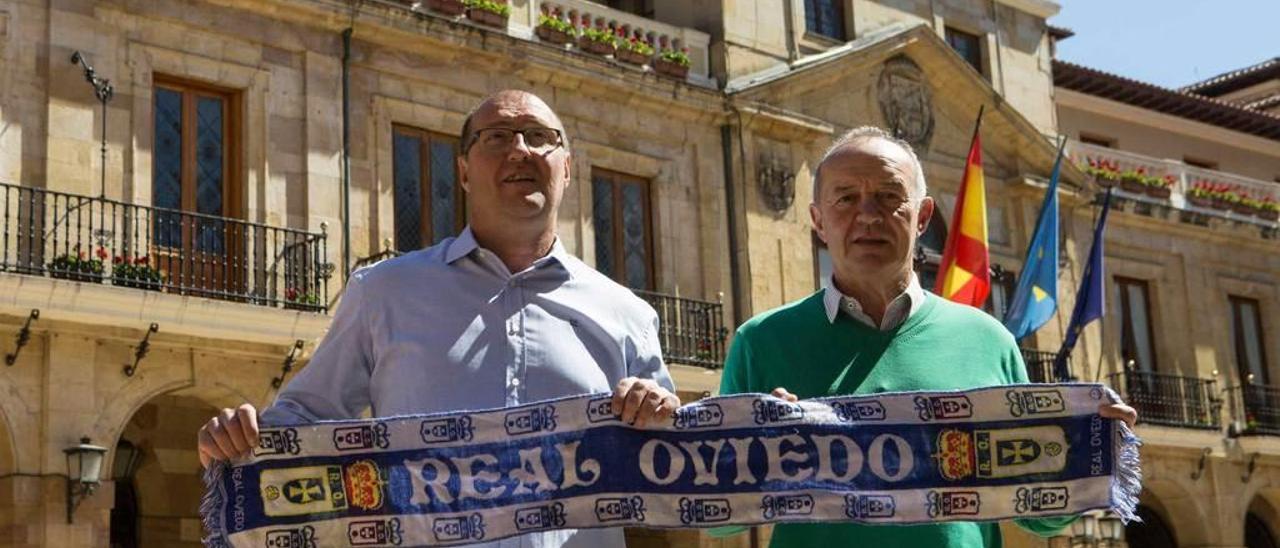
[977,124]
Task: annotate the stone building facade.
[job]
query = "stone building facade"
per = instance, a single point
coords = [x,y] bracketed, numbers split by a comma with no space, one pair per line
[257,150]
[1190,335]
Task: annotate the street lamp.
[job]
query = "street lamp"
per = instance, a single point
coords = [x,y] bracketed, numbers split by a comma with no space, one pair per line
[1085,530]
[1093,529]
[1111,529]
[84,473]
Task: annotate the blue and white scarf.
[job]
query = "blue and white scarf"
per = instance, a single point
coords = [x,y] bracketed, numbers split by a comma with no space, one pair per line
[458,478]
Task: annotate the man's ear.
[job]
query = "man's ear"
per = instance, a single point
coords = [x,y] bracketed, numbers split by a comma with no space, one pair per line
[568,169]
[815,215]
[926,213]
[462,173]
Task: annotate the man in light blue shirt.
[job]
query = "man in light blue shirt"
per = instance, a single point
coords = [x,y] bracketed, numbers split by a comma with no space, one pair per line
[500,315]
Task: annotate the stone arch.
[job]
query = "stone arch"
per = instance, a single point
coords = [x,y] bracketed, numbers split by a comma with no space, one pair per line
[167,484]
[1179,509]
[160,411]
[8,449]
[1262,519]
[180,378]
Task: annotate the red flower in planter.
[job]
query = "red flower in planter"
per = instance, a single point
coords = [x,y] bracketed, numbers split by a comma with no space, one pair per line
[102,253]
[117,260]
[142,259]
[291,294]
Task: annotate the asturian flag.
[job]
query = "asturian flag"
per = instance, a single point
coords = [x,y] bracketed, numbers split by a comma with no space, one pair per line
[1036,297]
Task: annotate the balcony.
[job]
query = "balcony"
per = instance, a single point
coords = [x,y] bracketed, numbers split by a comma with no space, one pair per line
[584,13]
[1040,366]
[1256,409]
[692,331]
[524,19]
[1170,400]
[1189,206]
[102,241]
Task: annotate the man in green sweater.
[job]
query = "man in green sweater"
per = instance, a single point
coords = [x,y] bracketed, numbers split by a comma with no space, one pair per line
[873,329]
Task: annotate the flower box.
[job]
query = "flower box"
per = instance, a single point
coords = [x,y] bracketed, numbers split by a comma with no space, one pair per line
[631,57]
[137,283]
[1243,208]
[452,8]
[487,18]
[555,36]
[1200,201]
[297,299]
[1159,192]
[76,275]
[670,68]
[78,267]
[136,273]
[1132,186]
[1104,182]
[595,46]
[1269,214]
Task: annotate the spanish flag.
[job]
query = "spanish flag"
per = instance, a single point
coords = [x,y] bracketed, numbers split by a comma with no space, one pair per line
[964,275]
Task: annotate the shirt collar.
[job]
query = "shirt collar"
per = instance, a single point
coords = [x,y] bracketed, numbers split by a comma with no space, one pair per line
[831,297]
[465,244]
[461,246]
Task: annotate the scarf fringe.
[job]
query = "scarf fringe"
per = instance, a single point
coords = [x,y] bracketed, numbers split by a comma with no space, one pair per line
[1126,483]
[211,505]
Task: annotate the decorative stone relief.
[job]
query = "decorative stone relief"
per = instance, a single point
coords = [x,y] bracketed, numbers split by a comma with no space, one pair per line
[906,102]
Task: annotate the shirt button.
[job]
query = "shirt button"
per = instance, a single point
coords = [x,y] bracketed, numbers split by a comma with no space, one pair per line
[515,382]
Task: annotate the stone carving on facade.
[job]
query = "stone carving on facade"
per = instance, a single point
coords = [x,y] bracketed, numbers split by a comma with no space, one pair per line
[776,184]
[906,102]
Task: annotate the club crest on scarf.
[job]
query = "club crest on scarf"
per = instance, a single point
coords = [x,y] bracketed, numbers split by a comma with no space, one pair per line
[277,442]
[943,407]
[1001,453]
[319,489]
[447,430]
[1035,402]
[375,532]
[302,537]
[869,506]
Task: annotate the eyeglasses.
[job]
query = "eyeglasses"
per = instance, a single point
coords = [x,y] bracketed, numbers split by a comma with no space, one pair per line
[539,140]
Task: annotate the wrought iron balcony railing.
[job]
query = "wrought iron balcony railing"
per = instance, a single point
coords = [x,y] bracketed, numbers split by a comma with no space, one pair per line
[374,259]
[692,331]
[1170,400]
[98,240]
[1040,366]
[1256,409]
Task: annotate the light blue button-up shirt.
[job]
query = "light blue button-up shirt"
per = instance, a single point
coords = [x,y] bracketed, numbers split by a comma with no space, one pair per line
[449,328]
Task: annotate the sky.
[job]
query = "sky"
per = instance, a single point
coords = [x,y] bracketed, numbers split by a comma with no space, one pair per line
[1170,43]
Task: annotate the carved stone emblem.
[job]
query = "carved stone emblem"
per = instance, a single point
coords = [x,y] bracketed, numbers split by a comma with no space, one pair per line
[777,186]
[905,102]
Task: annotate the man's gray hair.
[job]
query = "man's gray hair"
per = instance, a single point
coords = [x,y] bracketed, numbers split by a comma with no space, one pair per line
[867,133]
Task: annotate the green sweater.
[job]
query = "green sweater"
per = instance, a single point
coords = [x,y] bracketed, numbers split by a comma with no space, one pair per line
[942,346]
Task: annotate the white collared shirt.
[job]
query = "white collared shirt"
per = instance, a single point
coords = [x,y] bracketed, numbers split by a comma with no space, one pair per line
[450,328]
[900,308]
